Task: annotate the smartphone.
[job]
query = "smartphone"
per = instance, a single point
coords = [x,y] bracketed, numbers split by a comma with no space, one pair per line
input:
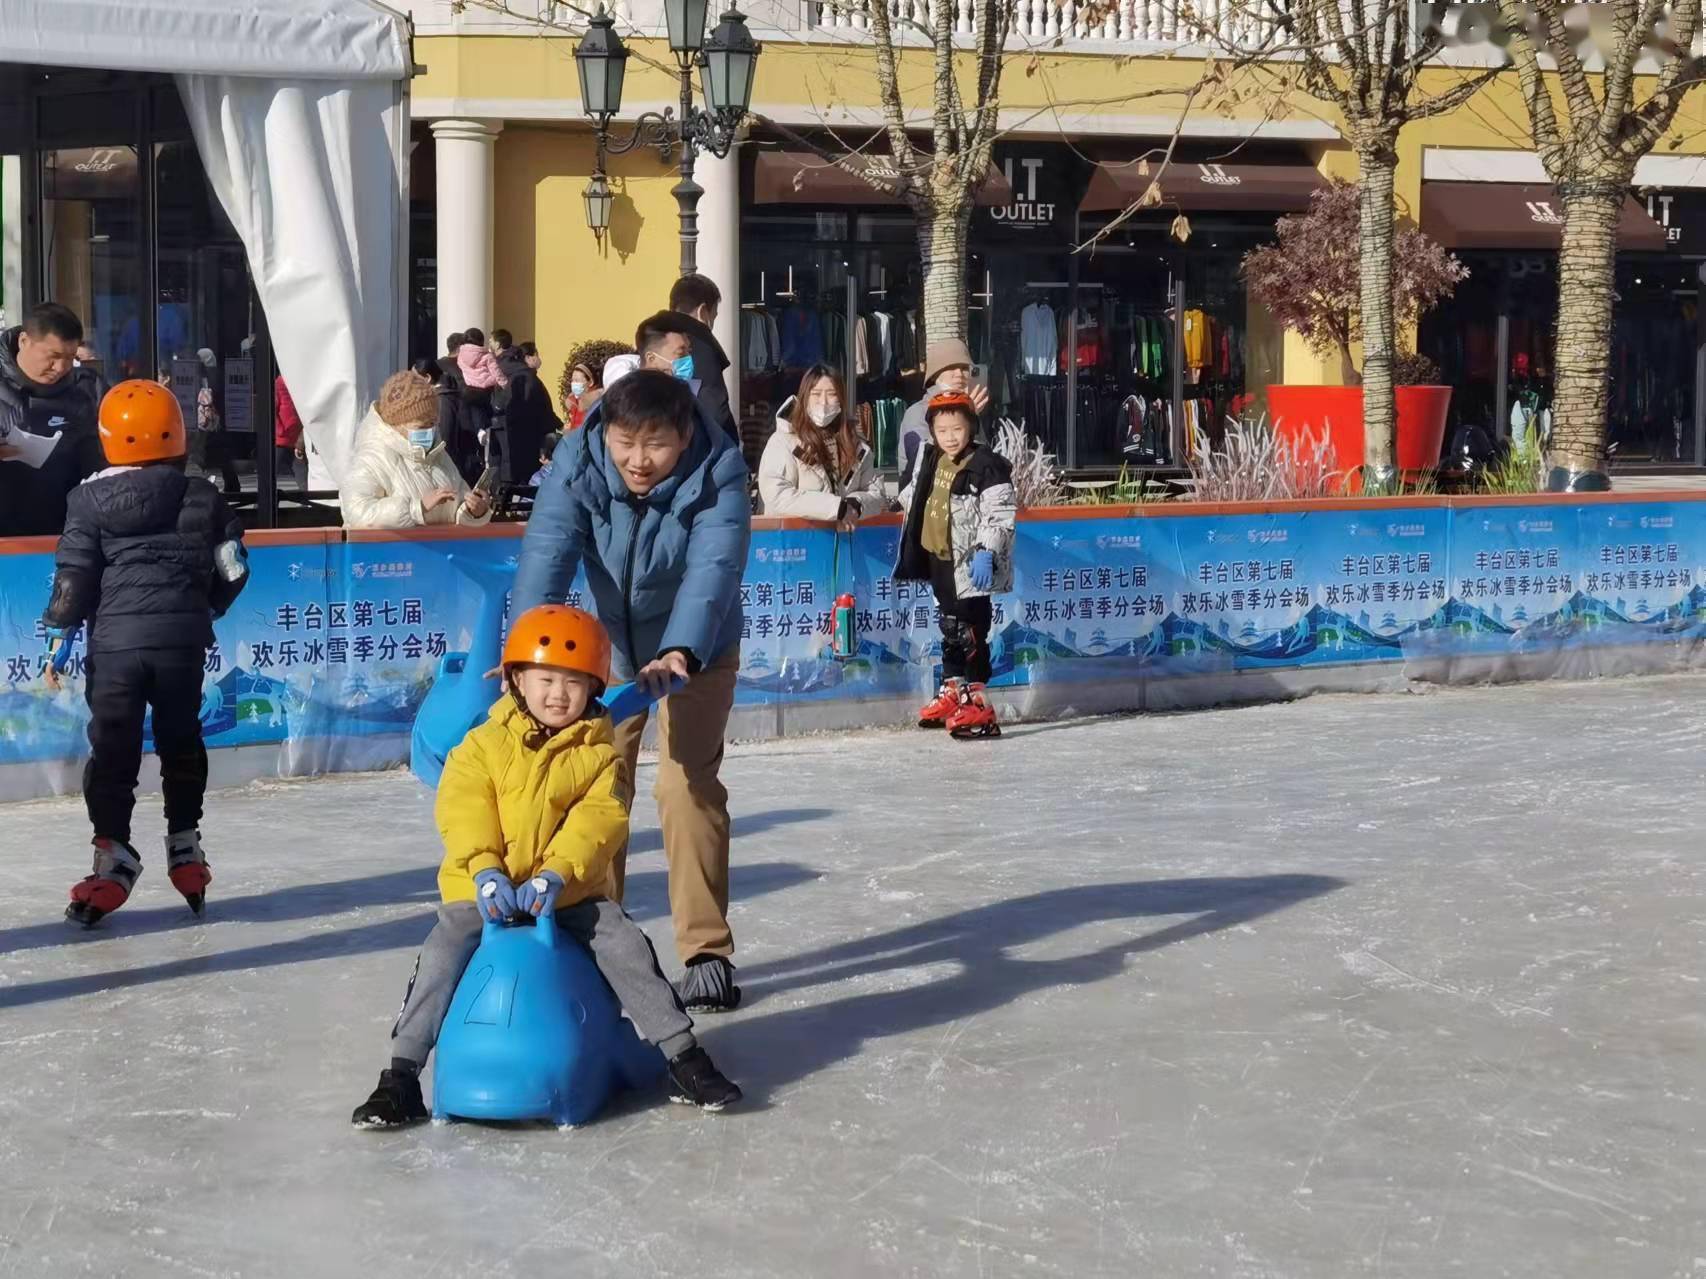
[484,483]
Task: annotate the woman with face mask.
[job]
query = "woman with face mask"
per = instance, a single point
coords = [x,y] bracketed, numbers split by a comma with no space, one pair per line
[815,466]
[401,475]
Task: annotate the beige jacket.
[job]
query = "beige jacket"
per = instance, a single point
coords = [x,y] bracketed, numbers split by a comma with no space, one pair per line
[790,486]
[389,477]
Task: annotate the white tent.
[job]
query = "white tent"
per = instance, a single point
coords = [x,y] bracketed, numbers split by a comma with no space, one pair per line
[300,113]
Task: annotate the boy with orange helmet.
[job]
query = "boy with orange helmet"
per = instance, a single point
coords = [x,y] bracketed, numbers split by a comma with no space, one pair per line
[532,808]
[149,557]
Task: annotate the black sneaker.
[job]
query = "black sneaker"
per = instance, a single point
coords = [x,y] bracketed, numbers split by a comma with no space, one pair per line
[695,1081]
[396,1103]
[709,985]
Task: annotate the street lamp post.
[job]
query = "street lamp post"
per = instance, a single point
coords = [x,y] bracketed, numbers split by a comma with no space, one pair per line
[726,61]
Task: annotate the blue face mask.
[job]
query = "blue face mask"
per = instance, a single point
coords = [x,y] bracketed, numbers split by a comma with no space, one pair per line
[423,438]
[683,368]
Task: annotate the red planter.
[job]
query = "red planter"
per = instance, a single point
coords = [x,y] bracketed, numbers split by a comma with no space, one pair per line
[1296,410]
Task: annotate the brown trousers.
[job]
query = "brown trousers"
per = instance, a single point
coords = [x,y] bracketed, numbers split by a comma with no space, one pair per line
[693,806]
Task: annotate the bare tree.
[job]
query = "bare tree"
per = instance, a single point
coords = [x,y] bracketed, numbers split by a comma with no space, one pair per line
[1364,58]
[1591,131]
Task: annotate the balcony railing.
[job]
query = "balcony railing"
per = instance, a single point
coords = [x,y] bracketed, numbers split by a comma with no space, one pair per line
[1122,21]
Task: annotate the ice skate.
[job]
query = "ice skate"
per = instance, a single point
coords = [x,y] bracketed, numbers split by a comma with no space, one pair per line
[708,986]
[186,865]
[975,716]
[108,886]
[937,712]
[695,1081]
[395,1103]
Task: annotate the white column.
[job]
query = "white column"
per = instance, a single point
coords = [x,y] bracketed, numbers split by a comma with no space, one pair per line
[12,241]
[466,222]
[719,252]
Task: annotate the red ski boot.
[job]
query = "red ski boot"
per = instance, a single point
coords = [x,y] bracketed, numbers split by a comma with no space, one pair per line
[186,865]
[975,716]
[936,713]
[108,887]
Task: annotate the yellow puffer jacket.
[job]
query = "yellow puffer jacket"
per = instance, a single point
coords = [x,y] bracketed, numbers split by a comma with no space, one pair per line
[502,805]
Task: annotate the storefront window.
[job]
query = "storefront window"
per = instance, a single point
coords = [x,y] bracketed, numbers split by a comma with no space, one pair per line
[206,317]
[92,247]
[1126,403]
[1651,411]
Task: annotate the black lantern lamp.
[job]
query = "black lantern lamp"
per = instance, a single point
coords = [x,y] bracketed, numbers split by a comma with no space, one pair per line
[686,22]
[598,198]
[726,66]
[602,60]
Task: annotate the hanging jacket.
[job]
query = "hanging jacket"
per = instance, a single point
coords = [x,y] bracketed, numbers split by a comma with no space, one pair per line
[137,558]
[388,478]
[664,569]
[982,516]
[506,804]
[789,485]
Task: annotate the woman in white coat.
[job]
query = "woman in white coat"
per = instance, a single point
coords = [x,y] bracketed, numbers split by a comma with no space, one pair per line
[815,466]
[401,476]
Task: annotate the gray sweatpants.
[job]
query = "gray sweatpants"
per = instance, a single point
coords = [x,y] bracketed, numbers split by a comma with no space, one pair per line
[619,947]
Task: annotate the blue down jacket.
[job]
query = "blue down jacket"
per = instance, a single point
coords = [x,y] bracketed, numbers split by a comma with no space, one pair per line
[665,569]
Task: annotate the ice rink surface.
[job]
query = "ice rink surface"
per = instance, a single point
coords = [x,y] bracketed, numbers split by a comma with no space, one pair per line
[1405,986]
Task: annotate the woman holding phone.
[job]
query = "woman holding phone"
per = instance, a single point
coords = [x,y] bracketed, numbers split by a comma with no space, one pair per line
[402,475]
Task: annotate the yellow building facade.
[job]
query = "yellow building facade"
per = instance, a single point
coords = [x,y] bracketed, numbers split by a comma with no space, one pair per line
[1128,373]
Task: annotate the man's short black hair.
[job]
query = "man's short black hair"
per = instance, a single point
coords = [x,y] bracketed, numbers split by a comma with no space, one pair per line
[475,336]
[692,292]
[50,319]
[528,350]
[651,333]
[648,398]
[454,342]
[503,339]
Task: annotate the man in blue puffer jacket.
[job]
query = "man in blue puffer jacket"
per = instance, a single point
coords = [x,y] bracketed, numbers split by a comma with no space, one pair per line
[652,500]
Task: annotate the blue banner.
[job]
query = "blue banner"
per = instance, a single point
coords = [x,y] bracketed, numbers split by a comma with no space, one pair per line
[335,643]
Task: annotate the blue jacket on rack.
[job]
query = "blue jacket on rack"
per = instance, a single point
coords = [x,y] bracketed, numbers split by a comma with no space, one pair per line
[664,569]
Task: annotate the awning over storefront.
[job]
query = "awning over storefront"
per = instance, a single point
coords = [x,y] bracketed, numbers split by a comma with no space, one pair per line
[300,115]
[1517,215]
[306,39]
[1265,188]
[801,177]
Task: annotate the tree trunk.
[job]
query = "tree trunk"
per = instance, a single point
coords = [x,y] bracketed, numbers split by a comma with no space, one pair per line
[1377,163]
[942,246]
[1587,279]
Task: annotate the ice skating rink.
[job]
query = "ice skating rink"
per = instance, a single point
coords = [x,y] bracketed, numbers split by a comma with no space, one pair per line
[1400,986]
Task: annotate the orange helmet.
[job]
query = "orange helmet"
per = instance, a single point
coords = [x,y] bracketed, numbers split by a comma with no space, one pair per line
[141,422]
[955,400]
[568,639]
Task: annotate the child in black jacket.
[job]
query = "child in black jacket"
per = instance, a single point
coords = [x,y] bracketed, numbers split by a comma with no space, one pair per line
[149,557]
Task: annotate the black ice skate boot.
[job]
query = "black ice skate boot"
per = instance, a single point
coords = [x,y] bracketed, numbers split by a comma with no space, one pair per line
[695,1081]
[186,865]
[395,1103]
[108,886]
[708,986]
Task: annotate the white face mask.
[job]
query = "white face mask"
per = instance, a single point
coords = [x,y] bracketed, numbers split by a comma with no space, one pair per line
[577,388]
[823,414]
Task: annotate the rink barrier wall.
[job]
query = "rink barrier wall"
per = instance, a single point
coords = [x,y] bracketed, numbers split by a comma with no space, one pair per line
[321,664]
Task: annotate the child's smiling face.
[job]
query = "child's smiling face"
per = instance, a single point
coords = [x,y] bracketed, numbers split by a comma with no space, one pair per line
[556,698]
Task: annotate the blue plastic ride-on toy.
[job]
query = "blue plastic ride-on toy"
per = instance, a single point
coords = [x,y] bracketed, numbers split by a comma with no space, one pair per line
[534,1032]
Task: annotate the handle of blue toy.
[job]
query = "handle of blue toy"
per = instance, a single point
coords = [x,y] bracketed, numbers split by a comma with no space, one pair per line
[452,664]
[630,700]
[545,930]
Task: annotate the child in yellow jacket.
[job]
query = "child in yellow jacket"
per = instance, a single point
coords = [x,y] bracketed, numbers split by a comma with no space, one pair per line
[532,809]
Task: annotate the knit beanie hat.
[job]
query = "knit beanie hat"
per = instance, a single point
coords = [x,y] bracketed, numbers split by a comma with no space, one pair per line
[945,354]
[407,399]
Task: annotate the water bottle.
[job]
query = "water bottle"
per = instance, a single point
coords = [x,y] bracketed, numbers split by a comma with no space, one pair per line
[845,640]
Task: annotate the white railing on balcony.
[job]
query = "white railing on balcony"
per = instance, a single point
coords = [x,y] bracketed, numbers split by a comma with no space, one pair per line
[1160,21]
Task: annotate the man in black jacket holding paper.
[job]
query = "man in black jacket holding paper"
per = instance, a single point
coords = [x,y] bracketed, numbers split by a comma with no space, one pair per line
[44,394]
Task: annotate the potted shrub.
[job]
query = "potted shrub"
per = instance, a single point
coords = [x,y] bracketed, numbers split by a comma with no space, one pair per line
[1310,281]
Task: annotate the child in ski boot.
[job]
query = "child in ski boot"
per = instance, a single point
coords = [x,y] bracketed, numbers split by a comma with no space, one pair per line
[532,808]
[153,557]
[960,509]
